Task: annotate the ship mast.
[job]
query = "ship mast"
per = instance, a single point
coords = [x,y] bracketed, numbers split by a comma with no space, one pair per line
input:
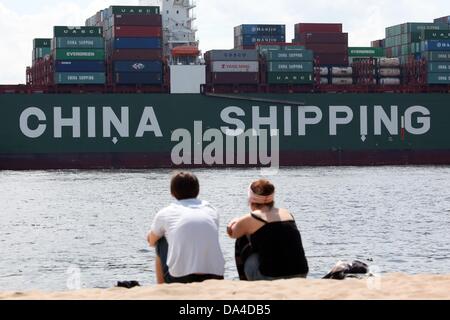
[178,30]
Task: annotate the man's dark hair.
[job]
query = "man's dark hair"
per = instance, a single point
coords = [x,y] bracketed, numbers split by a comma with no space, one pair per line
[184,186]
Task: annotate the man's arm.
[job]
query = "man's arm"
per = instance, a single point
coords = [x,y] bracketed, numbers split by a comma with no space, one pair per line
[157,230]
[153,239]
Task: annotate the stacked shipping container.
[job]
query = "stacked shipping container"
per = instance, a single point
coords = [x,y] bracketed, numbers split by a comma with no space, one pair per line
[232,67]
[134,42]
[41,49]
[247,36]
[404,41]
[437,55]
[429,41]
[326,40]
[133,37]
[389,71]
[78,55]
[445,19]
[364,53]
[288,65]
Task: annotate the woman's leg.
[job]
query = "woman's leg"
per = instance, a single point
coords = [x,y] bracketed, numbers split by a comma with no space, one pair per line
[252,269]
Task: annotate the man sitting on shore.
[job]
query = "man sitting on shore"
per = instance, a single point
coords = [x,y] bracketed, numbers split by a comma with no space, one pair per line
[186,236]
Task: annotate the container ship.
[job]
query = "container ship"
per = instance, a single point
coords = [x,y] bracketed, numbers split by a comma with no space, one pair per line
[130,89]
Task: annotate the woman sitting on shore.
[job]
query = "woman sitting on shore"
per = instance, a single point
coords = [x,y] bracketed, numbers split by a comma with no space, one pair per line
[276,244]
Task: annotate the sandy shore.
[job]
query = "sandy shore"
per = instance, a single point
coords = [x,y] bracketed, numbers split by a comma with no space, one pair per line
[393,286]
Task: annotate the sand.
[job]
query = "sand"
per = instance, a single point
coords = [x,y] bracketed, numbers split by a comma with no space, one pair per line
[392,286]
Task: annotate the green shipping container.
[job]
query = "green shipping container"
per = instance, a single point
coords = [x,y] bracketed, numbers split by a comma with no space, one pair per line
[300,66]
[42,43]
[77,32]
[79,54]
[134,10]
[266,48]
[438,78]
[290,78]
[39,53]
[366,52]
[80,78]
[434,35]
[416,48]
[439,67]
[294,48]
[394,31]
[79,43]
[436,56]
[413,37]
[419,27]
[282,55]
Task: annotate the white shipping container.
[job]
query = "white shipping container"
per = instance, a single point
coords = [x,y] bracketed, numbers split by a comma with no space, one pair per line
[342,81]
[323,71]
[335,71]
[389,72]
[389,62]
[323,80]
[390,81]
[235,66]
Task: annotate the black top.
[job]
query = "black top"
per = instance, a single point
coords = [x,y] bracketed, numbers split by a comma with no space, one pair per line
[280,249]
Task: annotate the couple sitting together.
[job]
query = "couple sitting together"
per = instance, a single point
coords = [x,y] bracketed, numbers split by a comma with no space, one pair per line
[186,237]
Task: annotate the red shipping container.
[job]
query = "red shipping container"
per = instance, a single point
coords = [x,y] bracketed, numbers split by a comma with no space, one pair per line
[136,31]
[327,48]
[154,20]
[326,59]
[318,27]
[234,78]
[322,37]
[137,54]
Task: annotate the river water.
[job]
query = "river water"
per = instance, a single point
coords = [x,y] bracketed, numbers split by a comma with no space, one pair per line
[61,229]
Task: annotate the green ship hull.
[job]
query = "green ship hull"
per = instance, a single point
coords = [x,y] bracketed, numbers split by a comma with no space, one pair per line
[136,131]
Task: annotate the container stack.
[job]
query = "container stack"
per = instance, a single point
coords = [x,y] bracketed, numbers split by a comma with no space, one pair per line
[389,71]
[42,73]
[377,44]
[341,75]
[324,74]
[289,66]
[445,19]
[41,49]
[326,40]
[356,54]
[247,36]
[404,41]
[134,45]
[78,55]
[437,55]
[232,67]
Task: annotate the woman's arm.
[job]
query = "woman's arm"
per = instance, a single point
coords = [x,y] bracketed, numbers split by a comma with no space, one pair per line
[238,228]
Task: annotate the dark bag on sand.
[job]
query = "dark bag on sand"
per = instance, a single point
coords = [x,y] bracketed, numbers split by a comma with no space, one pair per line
[128,284]
[344,270]
[243,250]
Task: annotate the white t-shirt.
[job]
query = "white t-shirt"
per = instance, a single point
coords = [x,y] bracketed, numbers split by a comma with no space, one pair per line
[191,228]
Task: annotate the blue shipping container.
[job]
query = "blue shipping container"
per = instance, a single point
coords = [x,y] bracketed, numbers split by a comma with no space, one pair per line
[261,29]
[137,43]
[138,78]
[252,40]
[436,45]
[138,66]
[79,66]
